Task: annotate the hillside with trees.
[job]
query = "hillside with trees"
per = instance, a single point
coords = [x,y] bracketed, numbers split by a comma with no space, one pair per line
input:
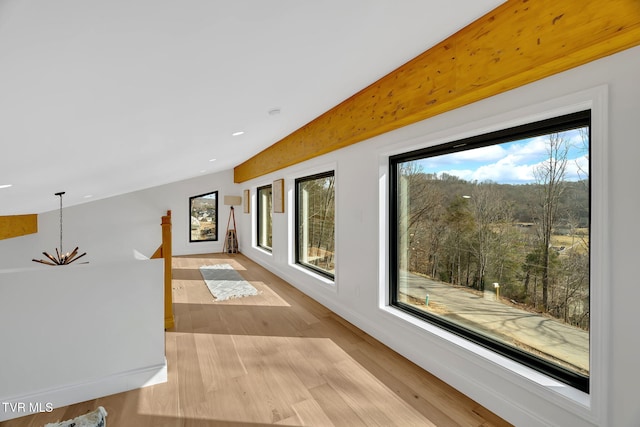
[532,239]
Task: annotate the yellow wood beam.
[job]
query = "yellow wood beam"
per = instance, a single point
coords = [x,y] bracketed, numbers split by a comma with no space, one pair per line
[18,225]
[517,43]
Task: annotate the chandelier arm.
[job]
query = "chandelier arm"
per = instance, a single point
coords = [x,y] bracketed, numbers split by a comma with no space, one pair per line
[42,261]
[69,257]
[75,259]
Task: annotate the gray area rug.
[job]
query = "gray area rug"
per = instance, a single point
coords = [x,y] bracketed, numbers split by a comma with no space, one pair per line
[225,283]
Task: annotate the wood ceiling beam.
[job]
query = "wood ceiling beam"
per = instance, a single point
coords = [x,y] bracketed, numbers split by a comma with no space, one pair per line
[18,225]
[517,43]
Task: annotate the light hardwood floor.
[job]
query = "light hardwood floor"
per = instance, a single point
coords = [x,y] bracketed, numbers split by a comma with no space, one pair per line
[275,358]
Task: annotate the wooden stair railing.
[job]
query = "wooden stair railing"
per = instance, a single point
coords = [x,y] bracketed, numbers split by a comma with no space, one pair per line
[164,251]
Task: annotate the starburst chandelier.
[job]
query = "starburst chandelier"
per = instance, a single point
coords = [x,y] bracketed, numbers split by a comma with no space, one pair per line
[61,258]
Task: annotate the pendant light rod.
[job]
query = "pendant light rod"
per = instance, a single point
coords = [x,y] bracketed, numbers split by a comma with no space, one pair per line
[60,195]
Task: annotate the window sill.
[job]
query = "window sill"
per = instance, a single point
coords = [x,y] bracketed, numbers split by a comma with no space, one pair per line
[324,280]
[263,250]
[545,387]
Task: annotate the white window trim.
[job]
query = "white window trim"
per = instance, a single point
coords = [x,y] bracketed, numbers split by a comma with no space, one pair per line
[255,195]
[290,211]
[593,406]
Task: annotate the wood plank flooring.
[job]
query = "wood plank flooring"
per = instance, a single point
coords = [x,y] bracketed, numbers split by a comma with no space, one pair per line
[275,358]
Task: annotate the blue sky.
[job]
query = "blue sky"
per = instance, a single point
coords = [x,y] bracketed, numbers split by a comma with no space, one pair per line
[509,163]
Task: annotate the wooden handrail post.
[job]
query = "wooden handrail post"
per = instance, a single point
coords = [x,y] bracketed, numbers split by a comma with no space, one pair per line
[166,254]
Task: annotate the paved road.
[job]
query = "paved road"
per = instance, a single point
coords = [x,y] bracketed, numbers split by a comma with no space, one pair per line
[502,321]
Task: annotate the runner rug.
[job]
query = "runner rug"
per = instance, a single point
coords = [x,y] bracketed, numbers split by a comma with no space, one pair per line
[225,283]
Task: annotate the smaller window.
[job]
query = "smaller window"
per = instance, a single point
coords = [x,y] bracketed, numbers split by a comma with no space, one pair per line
[204,217]
[315,223]
[265,211]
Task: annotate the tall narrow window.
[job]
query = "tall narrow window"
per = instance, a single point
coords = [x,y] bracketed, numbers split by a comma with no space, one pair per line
[204,217]
[315,223]
[265,210]
[490,240]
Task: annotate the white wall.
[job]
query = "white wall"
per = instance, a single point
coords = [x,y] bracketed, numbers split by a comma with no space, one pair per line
[74,333]
[79,332]
[360,287]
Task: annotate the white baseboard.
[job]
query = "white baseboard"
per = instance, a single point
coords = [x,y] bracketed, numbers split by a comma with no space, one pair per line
[47,400]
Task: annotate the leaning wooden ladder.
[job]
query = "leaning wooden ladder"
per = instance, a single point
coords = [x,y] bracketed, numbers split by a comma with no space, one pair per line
[231,237]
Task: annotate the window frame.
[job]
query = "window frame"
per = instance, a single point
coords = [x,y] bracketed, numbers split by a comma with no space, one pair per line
[259,215]
[527,130]
[216,236]
[296,215]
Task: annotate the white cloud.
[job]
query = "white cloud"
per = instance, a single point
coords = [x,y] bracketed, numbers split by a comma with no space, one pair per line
[482,154]
[508,169]
[513,162]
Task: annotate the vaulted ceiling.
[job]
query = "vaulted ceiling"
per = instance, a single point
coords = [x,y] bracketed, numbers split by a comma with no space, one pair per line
[100,98]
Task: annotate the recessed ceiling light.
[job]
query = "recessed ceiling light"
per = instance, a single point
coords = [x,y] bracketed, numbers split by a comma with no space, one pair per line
[237,133]
[212,160]
[88,196]
[274,111]
[5,185]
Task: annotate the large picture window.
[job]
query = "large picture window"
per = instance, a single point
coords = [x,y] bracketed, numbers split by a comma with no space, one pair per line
[265,211]
[204,217]
[490,241]
[315,223]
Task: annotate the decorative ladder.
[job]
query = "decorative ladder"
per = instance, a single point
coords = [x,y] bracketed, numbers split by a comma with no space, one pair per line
[231,237]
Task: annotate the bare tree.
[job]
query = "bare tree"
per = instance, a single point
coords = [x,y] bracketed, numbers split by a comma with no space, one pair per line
[326,236]
[320,221]
[490,211]
[584,146]
[550,175]
[422,231]
[460,227]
